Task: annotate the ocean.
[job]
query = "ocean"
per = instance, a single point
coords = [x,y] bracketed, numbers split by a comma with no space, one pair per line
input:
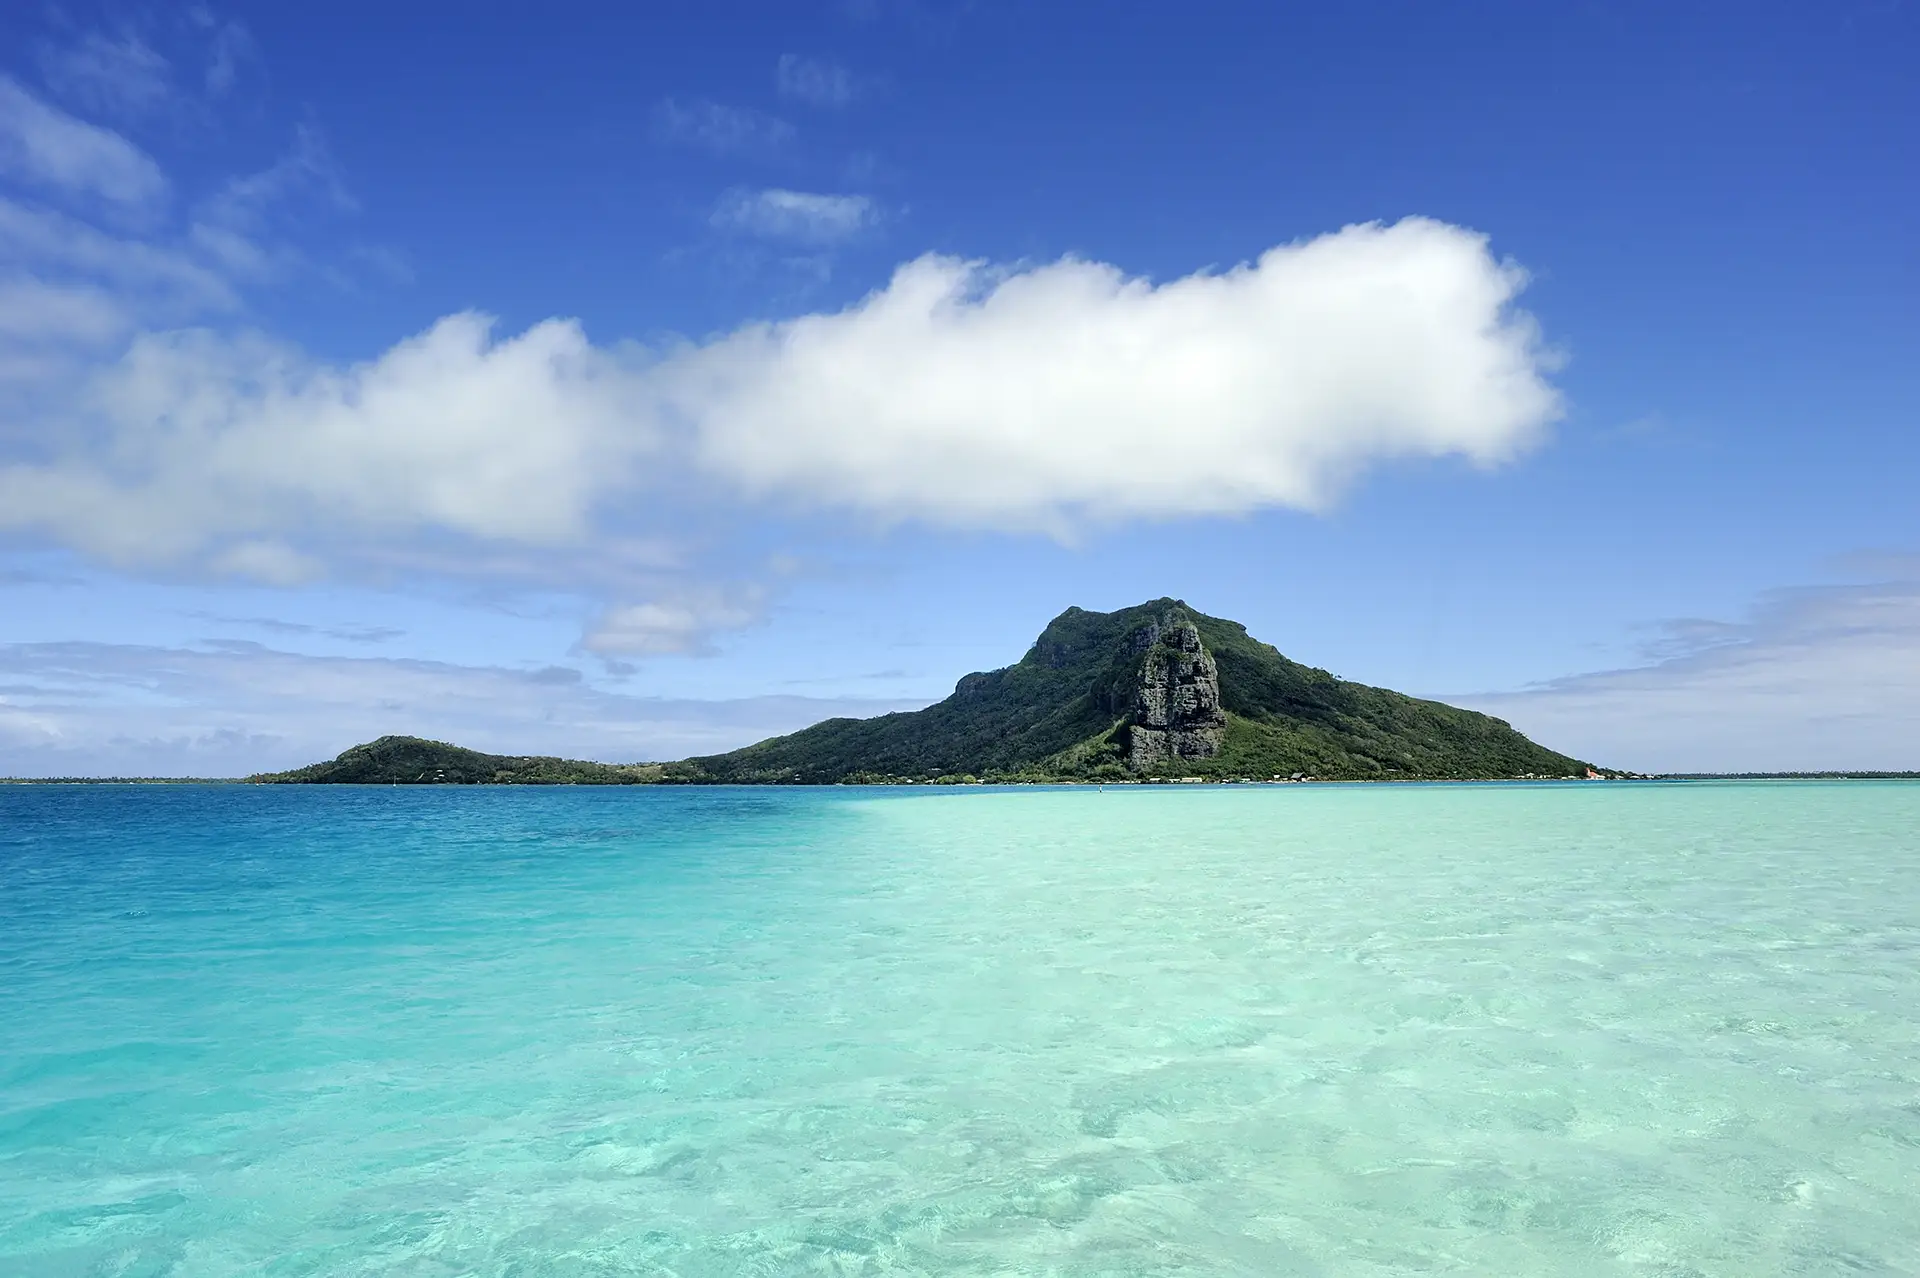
[1598,1028]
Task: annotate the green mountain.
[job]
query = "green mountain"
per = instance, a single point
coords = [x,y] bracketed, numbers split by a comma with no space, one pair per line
[413,761]
[1158,690]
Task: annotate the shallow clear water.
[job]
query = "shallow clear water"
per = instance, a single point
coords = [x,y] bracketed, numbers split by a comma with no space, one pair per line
[1579,1029]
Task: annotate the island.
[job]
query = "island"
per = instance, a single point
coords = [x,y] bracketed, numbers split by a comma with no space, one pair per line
[1156,692]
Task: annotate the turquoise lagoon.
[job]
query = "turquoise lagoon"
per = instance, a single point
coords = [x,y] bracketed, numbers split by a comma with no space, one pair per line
[1531,1029]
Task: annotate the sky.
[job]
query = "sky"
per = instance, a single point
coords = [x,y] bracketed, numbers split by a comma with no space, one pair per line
[635,381]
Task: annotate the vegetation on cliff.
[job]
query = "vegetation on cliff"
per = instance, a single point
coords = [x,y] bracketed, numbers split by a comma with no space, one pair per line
[1069,710]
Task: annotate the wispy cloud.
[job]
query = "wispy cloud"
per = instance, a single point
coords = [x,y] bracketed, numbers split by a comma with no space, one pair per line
[233,227]
[1816,677]
[306,169]
[160,282]
[69,284]
[388,264]
[34,311]
[158,64]
[275,625]
[870,676]
[230,50]
[43,145]
[723,130]
[815,82]
[794,215]
[119,75]
[267,560]
[105,709]
[682,623]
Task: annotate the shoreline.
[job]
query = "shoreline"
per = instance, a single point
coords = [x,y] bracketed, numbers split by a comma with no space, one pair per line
[1167,782]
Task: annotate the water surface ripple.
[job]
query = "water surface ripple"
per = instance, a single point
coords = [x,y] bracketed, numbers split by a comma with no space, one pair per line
[1570,1029]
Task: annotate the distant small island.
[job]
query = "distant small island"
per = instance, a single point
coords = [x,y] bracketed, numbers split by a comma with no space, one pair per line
[1157,692]
[415,761]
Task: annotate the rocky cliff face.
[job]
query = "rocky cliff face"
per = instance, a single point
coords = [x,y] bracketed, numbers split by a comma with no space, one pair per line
[1176,712]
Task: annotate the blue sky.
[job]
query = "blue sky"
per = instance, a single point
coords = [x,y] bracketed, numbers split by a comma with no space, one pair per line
[653,378]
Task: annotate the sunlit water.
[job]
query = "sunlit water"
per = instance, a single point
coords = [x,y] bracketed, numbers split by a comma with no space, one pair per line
[1556,1029]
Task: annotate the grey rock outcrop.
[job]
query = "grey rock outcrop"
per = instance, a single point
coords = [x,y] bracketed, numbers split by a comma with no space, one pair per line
[1176,713]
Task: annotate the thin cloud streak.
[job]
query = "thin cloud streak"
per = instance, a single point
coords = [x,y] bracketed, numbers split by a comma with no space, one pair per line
[1817,678]
[89,709]
[722,130]
[123,76]
[43,145]
[805,216]
[814,81]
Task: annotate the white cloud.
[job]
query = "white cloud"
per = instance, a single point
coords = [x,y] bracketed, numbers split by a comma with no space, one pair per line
[167,282]
[794,215]
[273,563]
[79,709]
[41,144]
[683,623]
[33,310]
[826,84]
[1816,678]
[194,437]
[1041,397]
[717,128]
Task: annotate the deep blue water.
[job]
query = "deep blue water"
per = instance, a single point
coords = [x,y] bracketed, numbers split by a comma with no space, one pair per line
[1317,1030]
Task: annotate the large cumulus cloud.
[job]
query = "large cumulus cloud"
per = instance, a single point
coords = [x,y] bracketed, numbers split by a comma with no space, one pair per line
[959,394]
[965,395]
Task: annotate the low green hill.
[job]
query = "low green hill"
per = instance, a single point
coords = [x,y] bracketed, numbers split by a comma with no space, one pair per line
[413,761]
[1154,690]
